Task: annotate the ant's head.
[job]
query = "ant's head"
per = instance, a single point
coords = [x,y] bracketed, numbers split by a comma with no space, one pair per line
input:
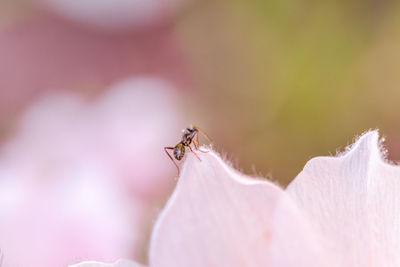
[191,128]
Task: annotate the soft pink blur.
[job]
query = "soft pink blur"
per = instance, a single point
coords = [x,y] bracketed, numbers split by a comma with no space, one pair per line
[79,177]
[46,53]
[87,102]
[116,15]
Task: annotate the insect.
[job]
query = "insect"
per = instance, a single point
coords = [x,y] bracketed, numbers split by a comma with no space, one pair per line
[189,135]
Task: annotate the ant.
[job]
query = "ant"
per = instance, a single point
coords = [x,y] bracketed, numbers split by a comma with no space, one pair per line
[188,136]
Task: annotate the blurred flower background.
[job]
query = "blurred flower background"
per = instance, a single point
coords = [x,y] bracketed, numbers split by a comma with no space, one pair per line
[91,92]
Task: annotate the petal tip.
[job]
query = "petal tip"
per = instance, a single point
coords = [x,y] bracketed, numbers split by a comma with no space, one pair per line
[353,195]
[367,146]
[367,140]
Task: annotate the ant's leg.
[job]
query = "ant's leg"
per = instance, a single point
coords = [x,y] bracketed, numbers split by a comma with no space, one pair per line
[165,149]
[194,152]
[196,144]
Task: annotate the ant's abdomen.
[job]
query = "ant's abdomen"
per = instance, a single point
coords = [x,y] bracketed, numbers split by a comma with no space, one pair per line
[179,151]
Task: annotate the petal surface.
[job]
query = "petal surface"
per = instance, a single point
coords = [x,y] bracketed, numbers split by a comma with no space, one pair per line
[353,202]
[220,217]
[119,263]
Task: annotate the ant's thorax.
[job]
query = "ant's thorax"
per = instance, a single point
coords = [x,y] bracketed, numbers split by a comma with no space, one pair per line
[187,136]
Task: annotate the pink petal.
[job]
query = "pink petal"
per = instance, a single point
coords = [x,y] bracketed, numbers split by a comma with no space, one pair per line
[63,129]
[78,179]
[135,120]
[220,217]
[119,263]
[353,201]
[79,214]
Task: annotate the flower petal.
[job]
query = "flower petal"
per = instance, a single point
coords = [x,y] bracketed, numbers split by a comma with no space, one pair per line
[75,181]
[119,263]
[354,202]
[79,215]
[220,217]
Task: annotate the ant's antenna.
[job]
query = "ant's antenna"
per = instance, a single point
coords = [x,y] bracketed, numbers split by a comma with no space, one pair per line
[204,134]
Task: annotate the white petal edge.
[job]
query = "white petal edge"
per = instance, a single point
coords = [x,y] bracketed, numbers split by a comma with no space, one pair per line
[220,217]
[353,201]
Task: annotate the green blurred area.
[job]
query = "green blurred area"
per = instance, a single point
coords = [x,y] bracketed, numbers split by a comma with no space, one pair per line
[280,82]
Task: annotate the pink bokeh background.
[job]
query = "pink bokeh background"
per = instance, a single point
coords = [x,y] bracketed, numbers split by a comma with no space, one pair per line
[82,170]
[92,91]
